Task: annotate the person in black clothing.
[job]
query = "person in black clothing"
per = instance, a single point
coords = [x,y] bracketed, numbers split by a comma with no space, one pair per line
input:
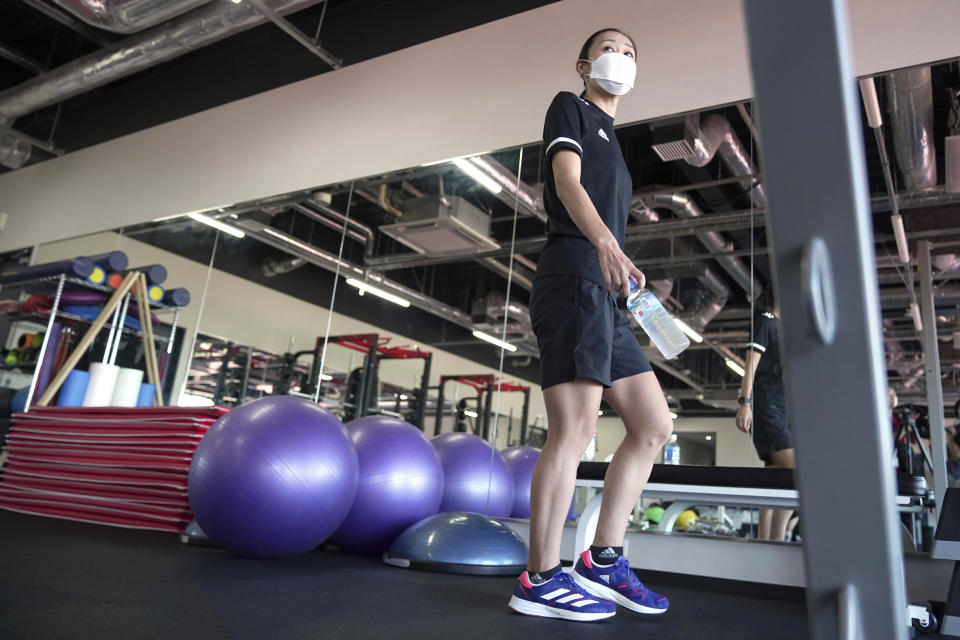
[587,347]
[763,412]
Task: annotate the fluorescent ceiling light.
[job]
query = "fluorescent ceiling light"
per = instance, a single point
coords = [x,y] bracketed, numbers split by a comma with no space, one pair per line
[470,414]
[216,224]
[403,396]
[365,287]
[708,438]
[324,376]
[673,415]
[474,172]
[736,368]
[693,335]
[497,341]
[599,413]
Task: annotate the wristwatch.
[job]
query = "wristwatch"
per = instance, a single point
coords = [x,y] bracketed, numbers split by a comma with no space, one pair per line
[742,400]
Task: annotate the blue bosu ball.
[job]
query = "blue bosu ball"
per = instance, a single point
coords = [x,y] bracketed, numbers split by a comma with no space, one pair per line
[459,542]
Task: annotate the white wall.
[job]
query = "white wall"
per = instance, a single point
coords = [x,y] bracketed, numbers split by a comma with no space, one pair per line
[476,90]
[252,314]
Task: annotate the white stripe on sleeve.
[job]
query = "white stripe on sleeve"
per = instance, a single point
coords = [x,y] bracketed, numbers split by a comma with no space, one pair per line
[562,139]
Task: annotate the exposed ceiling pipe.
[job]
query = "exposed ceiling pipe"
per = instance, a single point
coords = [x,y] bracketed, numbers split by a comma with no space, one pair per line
[719,290]
[498,267]
[14,152]
[910,101]
[213,22]
[899,298]
[279,240]
[127,16]
[529,200]
[684,206]
[717,137]
[271,267]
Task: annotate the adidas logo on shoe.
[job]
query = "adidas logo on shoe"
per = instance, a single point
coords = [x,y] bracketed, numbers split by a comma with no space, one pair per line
[605,578]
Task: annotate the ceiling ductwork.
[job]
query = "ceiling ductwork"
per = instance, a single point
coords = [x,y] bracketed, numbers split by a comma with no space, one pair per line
[683,206]
[271,267]
[346,269]
[528,200]
[494,308]
[127,16]
[210,23]
[910,100]
[442,225]
[14,152]
[697,144]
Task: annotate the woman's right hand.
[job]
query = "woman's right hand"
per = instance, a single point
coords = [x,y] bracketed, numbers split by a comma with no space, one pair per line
[617,268]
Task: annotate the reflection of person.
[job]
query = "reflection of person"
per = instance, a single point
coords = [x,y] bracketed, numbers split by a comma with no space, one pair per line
[763,411]
[587,348]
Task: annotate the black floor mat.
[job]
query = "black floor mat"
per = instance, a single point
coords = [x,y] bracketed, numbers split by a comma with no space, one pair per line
[62,579]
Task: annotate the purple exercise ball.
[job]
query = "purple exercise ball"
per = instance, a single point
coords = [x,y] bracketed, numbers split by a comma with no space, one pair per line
[401,482]
[521,461]
[273,478]
[475,477]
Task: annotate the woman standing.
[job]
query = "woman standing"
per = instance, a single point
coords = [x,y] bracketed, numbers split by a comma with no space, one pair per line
[587,348]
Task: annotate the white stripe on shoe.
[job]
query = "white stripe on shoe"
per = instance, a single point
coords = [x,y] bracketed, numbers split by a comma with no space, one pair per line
[600,591]
[555,594]
[569,598]
[536,609]
[583,603]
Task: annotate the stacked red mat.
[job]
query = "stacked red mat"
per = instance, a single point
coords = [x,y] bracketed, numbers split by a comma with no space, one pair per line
[125,467]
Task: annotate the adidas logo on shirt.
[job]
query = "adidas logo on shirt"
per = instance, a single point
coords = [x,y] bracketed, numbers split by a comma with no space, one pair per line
[603,134]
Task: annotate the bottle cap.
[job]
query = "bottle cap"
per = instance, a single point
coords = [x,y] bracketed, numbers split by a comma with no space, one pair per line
[633,286]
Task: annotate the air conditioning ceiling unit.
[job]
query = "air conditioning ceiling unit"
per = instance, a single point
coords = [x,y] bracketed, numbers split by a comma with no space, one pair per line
[442,226]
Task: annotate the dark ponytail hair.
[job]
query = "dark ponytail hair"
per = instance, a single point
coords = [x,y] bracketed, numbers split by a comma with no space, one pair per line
[585,51]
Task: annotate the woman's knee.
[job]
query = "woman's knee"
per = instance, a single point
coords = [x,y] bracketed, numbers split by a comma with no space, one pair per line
[652,434]
[571,438]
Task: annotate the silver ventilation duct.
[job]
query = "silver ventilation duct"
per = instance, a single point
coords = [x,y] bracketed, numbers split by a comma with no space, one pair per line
[127,16]
[684,206]
[717,137]
[271,267]
[910,99]
[14,152]
[213,22]
[529,200]
[708,278]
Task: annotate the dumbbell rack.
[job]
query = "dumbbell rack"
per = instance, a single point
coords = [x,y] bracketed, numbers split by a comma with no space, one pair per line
[116,327]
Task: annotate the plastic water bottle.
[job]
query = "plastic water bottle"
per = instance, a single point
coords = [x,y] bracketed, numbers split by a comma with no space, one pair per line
[671,452]
[656,321]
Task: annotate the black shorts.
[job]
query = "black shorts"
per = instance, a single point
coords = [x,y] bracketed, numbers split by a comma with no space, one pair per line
[581,333]
[771,426]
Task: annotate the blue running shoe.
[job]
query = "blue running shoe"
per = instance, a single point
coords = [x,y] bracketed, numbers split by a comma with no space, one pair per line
[558,597]
[617,582]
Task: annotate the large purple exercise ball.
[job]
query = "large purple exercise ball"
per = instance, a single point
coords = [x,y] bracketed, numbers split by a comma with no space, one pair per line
[475,477]
[273,478]
[401,482]
[521,461]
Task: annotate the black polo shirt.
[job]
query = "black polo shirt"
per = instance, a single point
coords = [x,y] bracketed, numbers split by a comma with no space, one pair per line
[765,342]
[579,125]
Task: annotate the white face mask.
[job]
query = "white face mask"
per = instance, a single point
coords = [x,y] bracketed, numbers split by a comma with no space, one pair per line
[614,72]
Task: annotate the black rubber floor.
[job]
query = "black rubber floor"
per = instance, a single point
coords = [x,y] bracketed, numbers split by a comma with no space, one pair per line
[68,580]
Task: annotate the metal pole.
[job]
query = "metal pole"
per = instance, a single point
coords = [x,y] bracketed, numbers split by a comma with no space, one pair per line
[46,343]
[931,371]
[245,382]
[487,411]
[296,34]
[525,417]
[438,423]
[424,389]
[825,277]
